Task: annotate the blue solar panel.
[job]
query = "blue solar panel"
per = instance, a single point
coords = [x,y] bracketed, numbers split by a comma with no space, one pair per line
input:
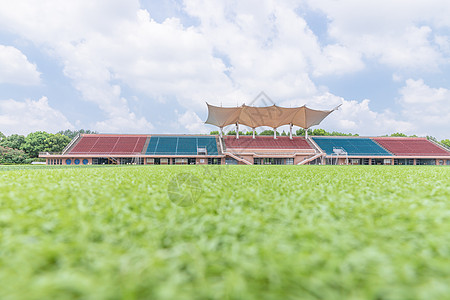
[181,145]
[353,146]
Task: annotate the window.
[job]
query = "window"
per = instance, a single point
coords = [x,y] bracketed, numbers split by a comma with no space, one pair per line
[355,161]
[214,161]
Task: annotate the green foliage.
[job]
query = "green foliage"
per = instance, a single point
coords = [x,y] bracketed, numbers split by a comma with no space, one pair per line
[73,133]
[322,132]
[56,143]
[268,132]
[215,132]
[256,232]
[14,141]
[35,143]
[300,132]
[399,134]
[12,156]
[432,138]
[2,136]
[446,142]
[233,132]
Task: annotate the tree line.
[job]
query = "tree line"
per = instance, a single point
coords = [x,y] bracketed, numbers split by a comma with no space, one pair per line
[20,149]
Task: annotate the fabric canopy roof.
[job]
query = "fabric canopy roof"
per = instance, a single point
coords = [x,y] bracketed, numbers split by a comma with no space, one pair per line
[273,116]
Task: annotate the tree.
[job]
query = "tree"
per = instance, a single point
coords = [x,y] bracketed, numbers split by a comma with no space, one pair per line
[432,138]
[399,134]
[2,136]
[71,134]
[320,132]
[446,142]
[215,132]
[13,141]
[268,132]
[56,143]
[300,132]
[35,143]
[12,156]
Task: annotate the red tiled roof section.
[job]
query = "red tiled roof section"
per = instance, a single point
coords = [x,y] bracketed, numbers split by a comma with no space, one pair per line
[110,144]
[266,142]
[411,146]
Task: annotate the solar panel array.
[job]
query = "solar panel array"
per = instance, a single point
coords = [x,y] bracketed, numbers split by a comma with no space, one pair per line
[181,145]
[353,146]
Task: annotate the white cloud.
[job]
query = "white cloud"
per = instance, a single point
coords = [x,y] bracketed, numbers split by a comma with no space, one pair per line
[191,121]
[427,108]
[389,31]
[15,67]
[29,116]
[237,50]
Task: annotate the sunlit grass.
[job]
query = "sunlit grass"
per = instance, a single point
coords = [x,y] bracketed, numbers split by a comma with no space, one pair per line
[255,232]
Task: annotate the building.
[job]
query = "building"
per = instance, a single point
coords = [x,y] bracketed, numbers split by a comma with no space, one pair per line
[156,149]
[98,149]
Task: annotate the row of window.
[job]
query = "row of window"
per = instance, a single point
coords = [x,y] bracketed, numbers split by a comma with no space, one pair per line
[55,161]
[388,161]
[183,161]
[76,161]
[273,161]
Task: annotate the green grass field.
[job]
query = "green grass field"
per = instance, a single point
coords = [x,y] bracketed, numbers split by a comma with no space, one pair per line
[254,232]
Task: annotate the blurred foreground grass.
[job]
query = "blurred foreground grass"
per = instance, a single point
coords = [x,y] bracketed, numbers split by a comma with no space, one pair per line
[255,232]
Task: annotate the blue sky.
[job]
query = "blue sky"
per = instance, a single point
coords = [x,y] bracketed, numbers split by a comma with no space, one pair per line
[122,66]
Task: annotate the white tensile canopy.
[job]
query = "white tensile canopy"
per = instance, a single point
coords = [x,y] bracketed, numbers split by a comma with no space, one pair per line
[273,116]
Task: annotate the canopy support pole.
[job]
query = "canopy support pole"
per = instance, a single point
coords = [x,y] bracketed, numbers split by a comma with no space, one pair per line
[306,133]
[221,132]
[290,131]
[253,132]
[237,130]
[275,133]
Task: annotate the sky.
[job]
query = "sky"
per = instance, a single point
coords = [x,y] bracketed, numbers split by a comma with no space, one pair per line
[128,66]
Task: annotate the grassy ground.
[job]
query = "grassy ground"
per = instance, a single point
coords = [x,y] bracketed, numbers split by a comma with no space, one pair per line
[254,232]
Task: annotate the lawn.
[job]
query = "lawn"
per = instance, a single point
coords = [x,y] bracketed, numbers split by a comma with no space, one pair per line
[230,232]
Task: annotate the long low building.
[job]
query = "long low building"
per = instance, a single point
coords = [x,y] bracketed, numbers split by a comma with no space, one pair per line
[142,149]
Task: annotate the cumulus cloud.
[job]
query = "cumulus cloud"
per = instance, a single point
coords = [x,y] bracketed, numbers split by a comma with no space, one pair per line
[15,67]
[234,51]
[389,31]
[30,115]
[191,121]
[426,108]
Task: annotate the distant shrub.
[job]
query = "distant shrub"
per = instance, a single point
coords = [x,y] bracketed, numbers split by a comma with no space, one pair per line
[12,156]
